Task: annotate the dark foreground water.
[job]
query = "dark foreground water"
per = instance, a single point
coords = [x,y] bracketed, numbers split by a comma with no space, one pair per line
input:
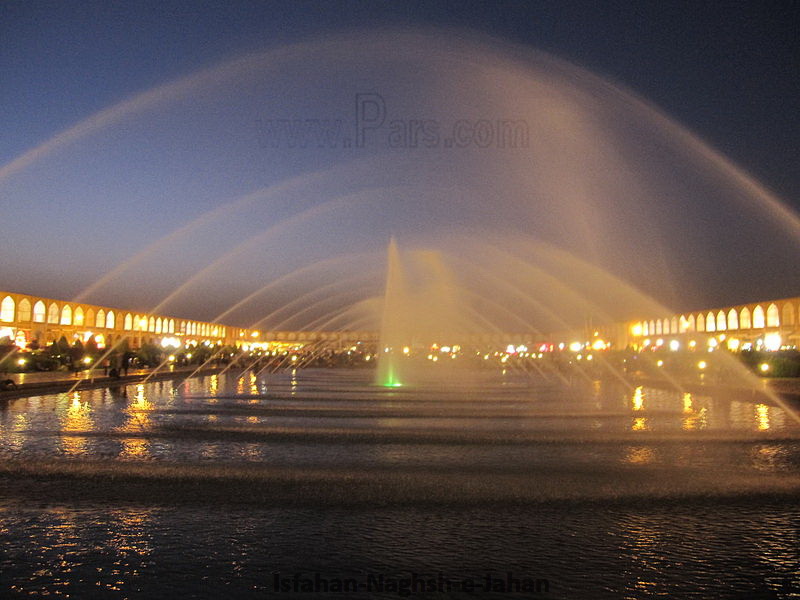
[228,487]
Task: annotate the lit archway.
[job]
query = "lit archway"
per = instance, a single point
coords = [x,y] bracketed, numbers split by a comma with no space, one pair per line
[8,309]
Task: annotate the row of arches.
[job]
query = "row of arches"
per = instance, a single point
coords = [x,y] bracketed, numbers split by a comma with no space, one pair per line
[24,311]
[730,320]
[52,314]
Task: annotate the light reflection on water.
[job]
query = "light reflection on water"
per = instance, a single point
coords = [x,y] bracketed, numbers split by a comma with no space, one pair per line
[597,550]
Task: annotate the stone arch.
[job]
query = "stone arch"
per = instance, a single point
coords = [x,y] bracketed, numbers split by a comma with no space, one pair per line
[659,328]
[8,309]
[773,316]
[90,320]
[788,313]
[151,325]
[674,325]
[171,328]
[744,319]
[721,325]
[78,316]
[758,317]
[158,325]
[100,321]
[127,324]
[66,315]
[24,310]
[111,320]
[690,323]
[701,322]
[39,312]
[733,319]
[711,324]
[52,313]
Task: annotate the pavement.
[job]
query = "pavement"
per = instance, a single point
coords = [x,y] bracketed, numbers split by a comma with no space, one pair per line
[58,381]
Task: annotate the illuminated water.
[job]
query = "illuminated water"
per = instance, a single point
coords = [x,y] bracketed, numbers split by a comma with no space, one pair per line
[207,490]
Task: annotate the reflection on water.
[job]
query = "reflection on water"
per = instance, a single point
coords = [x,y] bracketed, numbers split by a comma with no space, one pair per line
[137,421]
[77,418]
[762,415]
[584,443]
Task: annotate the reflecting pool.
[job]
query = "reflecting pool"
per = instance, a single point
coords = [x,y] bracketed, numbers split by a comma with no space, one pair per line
[245,486]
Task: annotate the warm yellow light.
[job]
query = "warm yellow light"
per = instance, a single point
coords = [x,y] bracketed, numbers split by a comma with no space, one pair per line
[171,358]
[254,334]
[599,345]
[637,329]
[692,344]
[764,367]
[733,344]
[21,362]
[406,349]
[674,345]
[762,416]
[660,363]
[294,358]
[575,346]
[712,343]
[87,360]
[638,398]
[772,342]
[702,365]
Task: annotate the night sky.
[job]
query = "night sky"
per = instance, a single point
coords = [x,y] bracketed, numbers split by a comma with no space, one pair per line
[606,185]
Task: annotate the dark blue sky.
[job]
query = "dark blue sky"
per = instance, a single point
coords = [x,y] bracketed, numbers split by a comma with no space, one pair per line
[727,71]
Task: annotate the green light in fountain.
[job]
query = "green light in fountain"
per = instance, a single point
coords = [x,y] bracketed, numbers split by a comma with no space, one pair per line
[391,379]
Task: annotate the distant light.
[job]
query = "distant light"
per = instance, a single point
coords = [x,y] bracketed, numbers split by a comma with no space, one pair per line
[646,343]
[599,345]
[170,342]
[702,365]
[589,357]
[87,360]
[575,346]
[772,342]
[21,362]
[674,345]
[522,348]
[660,363]
[637,330]
[692,344]
[733,344]
[764,367]
[659,342]
[171,358]
[445,349]
[294,357]
[510,349]
[712,343]
[406,349]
